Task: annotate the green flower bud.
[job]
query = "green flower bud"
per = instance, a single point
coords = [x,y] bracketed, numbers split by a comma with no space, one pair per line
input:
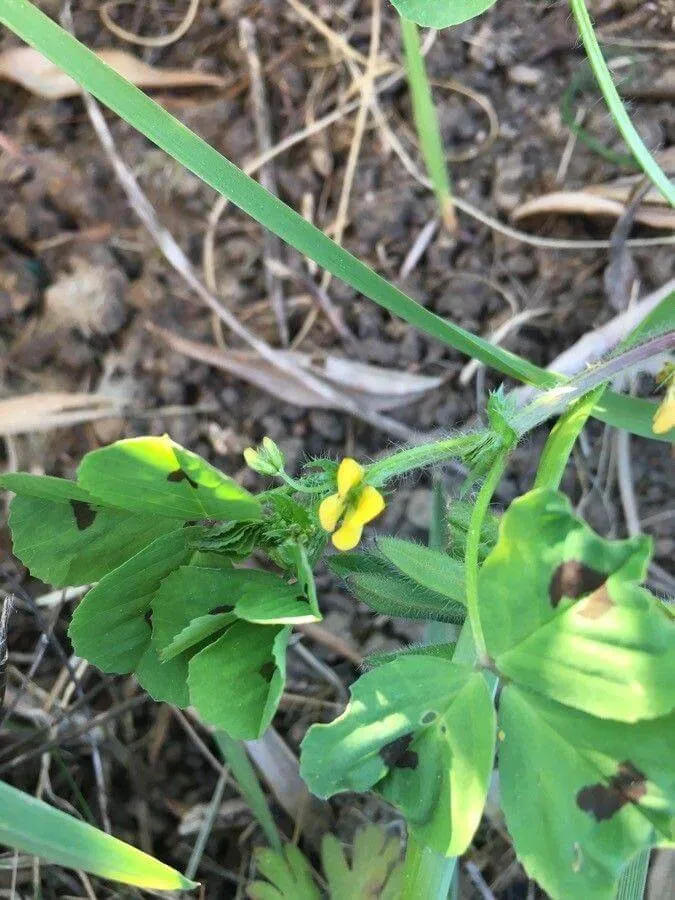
[266,459]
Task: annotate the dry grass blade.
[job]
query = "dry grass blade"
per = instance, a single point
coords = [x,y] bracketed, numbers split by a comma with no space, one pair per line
[373,387]
[43,411]
[5,613]
[591,203]
[162,40]
[27,67]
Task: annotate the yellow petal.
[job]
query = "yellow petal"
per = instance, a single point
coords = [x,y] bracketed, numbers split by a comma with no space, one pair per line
[349,474]
[370,504]
[330,511]
[664,418]
[348,536]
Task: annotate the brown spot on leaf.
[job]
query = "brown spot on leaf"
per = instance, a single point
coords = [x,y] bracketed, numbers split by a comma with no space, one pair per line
[148,617]
[428,717]
[603,801]
[179,475]
[396,753]
[84,513]
[573,579]
[596,605]
[267,670]
[223,608]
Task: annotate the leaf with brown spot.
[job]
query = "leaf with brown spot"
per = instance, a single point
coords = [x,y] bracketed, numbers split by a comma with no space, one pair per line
[178,476]
[582,795]
[603,800]
[574,579]
[396,753]
[563,615]
[67,538]
[436,772]
[154,475]
[84,513]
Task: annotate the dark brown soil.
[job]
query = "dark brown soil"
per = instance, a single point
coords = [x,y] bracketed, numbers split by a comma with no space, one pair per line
[62,214]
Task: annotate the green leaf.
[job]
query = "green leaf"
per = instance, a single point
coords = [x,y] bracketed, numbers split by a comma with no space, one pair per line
[582,795]
[306,579]
[194,591]
[432,569]
[236,682]
[421,731]
[562,614]
[109,626]
[34,827]
[445,650]
[165,681]
[378,584]
[289,873]
[375,871]
[441,13]
[198,631]
[156,475]
[65,537]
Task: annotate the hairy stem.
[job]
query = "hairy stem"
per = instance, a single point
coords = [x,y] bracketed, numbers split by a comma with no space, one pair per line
[473,537]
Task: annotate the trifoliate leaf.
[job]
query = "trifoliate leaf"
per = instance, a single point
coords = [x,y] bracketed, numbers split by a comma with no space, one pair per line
[421,731]
[110,626]
[237,681]
[67,538]
[562,614]
[156,475]
[582,795]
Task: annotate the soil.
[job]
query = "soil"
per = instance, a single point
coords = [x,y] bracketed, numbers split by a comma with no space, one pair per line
[81,279]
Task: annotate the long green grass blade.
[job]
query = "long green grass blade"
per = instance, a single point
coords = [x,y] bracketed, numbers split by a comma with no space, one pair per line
[244,774]
[214,169]
[34,827]
[426,122]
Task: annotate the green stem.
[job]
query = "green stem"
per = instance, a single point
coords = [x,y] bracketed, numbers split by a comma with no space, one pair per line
[561,440]
[473,537]
[426,122]
[407,460]
[604,78]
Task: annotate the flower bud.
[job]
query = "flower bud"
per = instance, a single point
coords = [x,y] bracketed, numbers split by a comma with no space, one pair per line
[266,459]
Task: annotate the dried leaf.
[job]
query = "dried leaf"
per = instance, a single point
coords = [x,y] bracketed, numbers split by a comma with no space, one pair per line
[589,202]
[27,67]
[51,409]
[373,387]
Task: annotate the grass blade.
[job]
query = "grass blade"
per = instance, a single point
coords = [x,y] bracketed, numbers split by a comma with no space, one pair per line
[426,122]
[34,827]
[214,169]
[244,774]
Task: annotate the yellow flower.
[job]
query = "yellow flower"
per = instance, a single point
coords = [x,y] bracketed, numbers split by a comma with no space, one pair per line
[664,417]
[355,504]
